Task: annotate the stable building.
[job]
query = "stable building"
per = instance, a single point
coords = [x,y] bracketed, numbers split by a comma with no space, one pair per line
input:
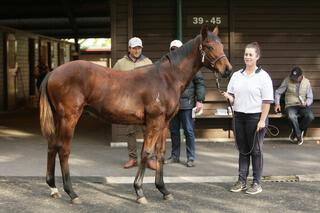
[287,31]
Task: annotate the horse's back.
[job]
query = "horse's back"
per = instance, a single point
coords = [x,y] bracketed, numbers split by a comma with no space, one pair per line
[78,69]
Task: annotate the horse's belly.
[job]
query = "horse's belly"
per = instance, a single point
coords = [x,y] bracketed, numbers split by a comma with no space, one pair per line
[124,117]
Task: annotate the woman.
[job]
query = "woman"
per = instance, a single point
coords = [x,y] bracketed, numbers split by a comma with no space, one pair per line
[251,92]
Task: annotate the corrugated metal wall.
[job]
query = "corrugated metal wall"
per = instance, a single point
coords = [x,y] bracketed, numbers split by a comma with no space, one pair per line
[119,25]
[288,32]
[289,35]
[156,26]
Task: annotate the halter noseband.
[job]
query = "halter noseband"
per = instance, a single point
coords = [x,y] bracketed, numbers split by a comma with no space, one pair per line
[212,63]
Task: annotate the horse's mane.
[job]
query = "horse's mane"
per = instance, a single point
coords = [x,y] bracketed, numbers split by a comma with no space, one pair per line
[176,56]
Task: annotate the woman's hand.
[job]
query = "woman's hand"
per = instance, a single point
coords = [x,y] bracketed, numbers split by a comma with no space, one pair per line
[227,96]
[261,125]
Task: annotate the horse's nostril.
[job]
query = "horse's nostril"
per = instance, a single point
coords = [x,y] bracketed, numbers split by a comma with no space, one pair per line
[227,74]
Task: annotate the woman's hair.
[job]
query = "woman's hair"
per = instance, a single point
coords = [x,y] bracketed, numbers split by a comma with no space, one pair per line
[255,46]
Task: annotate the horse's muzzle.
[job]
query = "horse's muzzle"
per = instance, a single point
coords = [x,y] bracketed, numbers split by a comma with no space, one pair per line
[227,74]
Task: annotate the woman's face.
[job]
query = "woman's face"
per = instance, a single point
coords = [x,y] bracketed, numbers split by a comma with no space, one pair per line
[250,57]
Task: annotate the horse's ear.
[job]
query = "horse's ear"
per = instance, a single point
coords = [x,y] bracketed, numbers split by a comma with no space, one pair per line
[204,31]
[216,31]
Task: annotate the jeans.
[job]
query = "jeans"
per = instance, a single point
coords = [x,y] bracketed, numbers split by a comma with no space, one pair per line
[183,117]
[249,144]
[299,118]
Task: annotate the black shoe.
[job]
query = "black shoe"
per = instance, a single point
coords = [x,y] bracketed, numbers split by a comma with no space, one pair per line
[190,163]
[171,160]
[300,139]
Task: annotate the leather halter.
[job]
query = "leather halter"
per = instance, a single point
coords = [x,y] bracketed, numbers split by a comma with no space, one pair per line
[212,63]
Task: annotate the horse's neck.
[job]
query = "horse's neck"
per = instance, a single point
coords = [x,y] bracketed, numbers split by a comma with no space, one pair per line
[189,63]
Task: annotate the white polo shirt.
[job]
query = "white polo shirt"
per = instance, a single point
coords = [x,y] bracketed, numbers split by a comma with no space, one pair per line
[250,90]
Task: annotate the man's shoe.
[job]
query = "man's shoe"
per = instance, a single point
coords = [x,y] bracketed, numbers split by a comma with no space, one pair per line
[152,164]
[255,188]
[171,160]
[190,163]
[300,139]
[238,186]
[130,163]
[292,136]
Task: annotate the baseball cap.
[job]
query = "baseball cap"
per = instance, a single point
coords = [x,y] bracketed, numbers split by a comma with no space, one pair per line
[176,43]
[135,42]
[296,72]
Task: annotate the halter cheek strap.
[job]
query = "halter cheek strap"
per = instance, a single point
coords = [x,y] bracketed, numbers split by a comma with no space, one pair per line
[203,56]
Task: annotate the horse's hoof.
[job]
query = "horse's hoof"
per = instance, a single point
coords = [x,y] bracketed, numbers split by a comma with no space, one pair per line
[168,197]
[56,195]
[76,201]
[142,200]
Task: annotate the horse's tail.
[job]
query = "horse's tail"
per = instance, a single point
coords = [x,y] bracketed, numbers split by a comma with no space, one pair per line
[46,115]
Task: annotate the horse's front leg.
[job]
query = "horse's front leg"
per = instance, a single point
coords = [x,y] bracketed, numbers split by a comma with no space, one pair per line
[160,151]
[139,178]
[152,133]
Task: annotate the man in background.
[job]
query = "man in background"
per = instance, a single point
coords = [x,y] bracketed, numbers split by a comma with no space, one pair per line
[129,62]
[298,101]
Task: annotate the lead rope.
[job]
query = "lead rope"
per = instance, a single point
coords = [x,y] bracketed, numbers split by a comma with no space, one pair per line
[269,131]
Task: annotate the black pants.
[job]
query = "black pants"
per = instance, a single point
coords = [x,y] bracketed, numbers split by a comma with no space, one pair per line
[249,144]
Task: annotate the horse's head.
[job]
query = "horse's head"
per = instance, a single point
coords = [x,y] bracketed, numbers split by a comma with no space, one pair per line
[212,54]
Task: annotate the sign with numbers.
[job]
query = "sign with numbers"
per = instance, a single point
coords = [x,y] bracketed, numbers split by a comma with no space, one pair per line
[198,20]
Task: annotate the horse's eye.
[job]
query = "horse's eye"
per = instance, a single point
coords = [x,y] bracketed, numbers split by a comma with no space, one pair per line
[210,48]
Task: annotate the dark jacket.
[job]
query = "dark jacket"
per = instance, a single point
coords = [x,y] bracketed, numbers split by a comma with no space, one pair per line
[195,91]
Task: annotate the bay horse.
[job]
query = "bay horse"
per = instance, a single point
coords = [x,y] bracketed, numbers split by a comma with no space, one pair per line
[147,96]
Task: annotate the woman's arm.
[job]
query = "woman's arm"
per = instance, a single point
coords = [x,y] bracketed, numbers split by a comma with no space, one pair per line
[264,113]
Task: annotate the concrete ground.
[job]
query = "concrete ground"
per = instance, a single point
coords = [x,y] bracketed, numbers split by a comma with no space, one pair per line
[33,196]
[103,185]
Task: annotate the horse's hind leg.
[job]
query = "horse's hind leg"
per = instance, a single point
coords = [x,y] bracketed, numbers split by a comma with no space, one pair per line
[67,125]
[50,177]
[160,151]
